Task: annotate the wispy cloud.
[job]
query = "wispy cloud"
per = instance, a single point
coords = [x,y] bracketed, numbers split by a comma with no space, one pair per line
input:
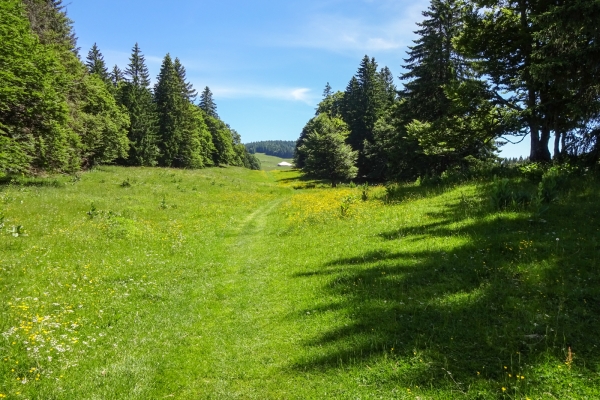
[341,33]
[303,95]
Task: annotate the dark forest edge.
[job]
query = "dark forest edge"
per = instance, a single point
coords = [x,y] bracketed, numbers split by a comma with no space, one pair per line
[276,148]
[59,114]
[479,72]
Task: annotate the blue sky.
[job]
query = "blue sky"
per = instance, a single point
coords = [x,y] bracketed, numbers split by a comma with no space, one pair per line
[266,62]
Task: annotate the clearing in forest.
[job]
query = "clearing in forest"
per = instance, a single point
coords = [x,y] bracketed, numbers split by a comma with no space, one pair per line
[147,283]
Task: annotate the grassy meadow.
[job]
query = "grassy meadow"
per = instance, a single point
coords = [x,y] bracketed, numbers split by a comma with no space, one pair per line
[269,163]
[223,283]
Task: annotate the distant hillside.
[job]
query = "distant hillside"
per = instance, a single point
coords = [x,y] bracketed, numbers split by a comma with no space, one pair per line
[277,148]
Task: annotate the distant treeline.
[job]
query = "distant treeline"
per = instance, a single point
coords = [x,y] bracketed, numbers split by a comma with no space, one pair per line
[277,148]
[59,113]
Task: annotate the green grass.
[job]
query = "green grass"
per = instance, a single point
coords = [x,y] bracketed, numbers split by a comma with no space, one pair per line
[269,163]
[145,283]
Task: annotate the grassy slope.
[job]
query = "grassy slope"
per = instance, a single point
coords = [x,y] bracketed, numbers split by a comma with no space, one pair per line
[226,283]
[269,163]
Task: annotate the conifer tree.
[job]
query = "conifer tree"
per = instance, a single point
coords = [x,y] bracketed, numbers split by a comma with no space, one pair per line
[137,71]
[363,105]
[171,108]
[116,76]
[188,90]
[432,63]
[48,19]
[327,91]
[95,63]
[137,98]
[181,136]
[207,103]
[325,152]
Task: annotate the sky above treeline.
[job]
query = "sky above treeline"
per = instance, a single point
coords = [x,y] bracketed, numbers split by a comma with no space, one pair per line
[266,62]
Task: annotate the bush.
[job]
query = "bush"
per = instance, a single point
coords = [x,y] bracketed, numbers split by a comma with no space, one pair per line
[501,195]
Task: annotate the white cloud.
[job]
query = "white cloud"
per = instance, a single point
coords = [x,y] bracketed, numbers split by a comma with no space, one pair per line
[340,33]
[266,92]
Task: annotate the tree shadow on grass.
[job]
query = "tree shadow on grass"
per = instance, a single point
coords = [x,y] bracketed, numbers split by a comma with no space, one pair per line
[508,294]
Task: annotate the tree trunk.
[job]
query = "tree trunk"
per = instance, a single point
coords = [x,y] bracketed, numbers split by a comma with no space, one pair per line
[557,137]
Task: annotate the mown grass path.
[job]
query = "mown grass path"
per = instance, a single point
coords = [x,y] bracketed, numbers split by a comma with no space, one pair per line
[226,283]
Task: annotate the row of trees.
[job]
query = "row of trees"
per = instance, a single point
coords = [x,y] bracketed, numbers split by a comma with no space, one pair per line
[277,148]
[479,71]
[60,114]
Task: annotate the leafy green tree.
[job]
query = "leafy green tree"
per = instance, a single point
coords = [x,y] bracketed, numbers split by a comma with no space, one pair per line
[539,62]
[224,153]
[34,112]
[207,103]
[327,91]
[332,103]
[137,98]
[102,125]
[325,152]
[445,114]
[96,64]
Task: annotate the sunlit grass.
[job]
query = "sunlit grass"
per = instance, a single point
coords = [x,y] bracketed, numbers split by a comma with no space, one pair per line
[146,283]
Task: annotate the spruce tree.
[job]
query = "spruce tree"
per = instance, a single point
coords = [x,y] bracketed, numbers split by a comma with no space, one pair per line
[325,152]
[137,98]
[137,71]
[432,63]
[207,103]
[181,137]
[95,63]
[364,104]
[116,76]
[327,91]
[188,90]
[170,108]
[426,111]
[48,19]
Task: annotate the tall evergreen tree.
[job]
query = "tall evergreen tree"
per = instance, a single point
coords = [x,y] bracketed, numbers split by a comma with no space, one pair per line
[95,63]
[432,63]
[207,103]
[137,98]
[440,127]
[180,132]
[137,71]
[327,91]
[171,109]
[325,152]
[116,76]
[188,90]
[363,105]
